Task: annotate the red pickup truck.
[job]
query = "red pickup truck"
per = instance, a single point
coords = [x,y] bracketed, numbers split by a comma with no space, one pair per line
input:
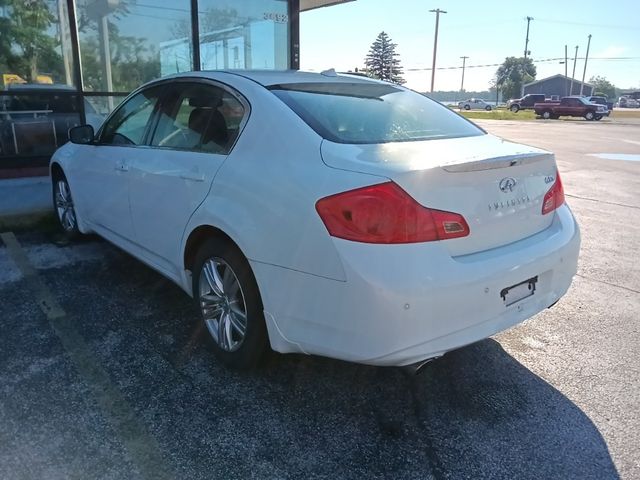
[571,107]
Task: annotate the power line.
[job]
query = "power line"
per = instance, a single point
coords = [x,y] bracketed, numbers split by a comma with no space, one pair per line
[542,60]
[594,25]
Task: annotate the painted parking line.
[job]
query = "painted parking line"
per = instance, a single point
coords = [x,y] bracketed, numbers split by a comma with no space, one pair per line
[141,446]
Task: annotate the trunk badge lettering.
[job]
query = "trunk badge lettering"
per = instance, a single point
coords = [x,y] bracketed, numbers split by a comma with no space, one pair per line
[509,203]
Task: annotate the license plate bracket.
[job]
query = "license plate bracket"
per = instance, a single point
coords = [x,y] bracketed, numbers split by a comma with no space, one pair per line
[519,291]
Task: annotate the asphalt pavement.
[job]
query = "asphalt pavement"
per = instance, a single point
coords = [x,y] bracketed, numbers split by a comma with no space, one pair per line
[105,371]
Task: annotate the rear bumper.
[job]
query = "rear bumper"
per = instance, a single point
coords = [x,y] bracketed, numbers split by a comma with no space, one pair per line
[405,303]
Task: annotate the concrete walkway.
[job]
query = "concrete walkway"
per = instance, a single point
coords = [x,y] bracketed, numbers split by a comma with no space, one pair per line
[23,200]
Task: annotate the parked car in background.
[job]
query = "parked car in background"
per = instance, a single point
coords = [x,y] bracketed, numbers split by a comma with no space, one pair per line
[601,101]
[627,102]
[35,118]
[570,107]
[323,214]
[474,104]
[525,103]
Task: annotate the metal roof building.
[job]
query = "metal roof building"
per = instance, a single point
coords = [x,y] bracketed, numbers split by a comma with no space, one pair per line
[558,85]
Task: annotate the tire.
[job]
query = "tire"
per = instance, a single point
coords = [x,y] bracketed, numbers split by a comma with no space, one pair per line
[598,117]
[467,107]
[230,304]
[589,116]
[488,108]
[514,108]
[555,117]
[64,207]
[546,114]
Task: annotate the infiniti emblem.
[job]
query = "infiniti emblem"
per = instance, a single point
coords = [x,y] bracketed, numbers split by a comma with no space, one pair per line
[507,184]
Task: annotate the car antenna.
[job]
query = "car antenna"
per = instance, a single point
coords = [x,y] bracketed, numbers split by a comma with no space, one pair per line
[331,72]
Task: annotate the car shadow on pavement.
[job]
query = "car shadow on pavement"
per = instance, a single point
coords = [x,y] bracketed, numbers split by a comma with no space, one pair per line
[474,413]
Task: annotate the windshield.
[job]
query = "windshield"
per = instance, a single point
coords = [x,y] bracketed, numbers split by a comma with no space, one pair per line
[372,113]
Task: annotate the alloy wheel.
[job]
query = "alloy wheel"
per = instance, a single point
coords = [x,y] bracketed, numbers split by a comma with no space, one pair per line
[222,303]
[64,206]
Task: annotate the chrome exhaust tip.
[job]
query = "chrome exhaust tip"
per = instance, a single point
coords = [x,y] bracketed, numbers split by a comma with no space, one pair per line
[418,367]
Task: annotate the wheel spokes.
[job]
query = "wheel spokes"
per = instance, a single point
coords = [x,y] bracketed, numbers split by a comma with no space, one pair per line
[64,206]
[239,321]
[222,304]
[213,278]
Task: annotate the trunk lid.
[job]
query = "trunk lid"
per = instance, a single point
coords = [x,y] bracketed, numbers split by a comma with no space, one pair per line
[498,186]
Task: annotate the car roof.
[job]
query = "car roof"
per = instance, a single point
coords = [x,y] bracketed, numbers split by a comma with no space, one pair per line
[269,78]
[40,87]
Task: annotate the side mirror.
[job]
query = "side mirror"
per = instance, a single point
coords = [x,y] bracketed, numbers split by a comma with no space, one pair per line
[82,134]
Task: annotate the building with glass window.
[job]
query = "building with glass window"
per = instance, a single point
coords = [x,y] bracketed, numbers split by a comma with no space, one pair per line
[69,62]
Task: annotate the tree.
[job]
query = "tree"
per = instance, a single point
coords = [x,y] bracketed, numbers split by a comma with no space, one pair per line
[512,74]
[602,86]
[382,60]
[26,47]
[134,60]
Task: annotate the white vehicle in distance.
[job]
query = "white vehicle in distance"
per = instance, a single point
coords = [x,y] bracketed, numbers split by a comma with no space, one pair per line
[474,104]
[323,214]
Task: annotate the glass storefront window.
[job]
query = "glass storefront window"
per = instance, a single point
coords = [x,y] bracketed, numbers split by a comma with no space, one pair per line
[38,102]
[124,44]
[35,119]
[253,34]
[35,43]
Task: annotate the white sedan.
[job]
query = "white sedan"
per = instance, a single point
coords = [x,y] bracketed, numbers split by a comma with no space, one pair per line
[323,214]
[474,104]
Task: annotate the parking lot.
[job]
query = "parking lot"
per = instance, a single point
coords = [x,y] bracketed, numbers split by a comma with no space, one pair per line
[105,370]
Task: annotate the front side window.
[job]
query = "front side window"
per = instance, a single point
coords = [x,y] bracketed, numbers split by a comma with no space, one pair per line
[198,117]
[362,112]
[128,124]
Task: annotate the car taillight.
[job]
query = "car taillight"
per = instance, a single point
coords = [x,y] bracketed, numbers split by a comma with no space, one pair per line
[385,213]
[554,197]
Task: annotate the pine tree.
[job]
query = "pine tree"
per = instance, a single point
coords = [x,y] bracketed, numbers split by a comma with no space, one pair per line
[382,60]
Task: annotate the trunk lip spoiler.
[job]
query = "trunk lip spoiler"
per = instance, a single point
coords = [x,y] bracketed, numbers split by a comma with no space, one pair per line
[497,162]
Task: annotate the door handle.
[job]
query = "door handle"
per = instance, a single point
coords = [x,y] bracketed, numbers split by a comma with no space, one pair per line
[122,167]
[196,177]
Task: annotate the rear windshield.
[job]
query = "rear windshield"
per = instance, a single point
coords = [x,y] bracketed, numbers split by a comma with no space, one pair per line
[372,113]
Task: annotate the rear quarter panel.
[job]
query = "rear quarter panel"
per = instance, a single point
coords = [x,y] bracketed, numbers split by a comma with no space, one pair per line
[264,195]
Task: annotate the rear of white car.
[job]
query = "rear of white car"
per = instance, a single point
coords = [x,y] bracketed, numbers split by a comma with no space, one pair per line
[462,236]
[351,218]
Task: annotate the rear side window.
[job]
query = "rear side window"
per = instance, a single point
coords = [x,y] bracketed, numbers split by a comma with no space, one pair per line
[198,117]
[372,113]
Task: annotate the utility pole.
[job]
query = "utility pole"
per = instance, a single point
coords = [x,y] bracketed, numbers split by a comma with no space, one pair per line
[574,71]
[64,42]
[586,57]
[464,60]
[526,42]
[437,11]
[566,60]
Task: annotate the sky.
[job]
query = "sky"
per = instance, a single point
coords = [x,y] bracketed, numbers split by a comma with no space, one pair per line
[486,31]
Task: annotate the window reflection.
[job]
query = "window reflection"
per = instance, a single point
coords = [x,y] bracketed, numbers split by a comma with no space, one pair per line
[122,42]
[250,35]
